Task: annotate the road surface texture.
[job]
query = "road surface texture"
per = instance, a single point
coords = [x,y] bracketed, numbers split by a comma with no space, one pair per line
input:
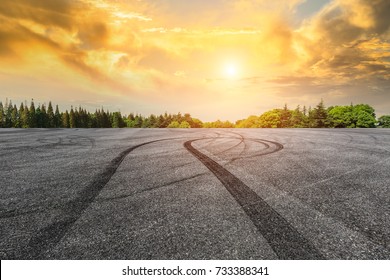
[195,194]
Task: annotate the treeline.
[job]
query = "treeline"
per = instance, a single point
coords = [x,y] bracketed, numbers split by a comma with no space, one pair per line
[352,116]
[42,116]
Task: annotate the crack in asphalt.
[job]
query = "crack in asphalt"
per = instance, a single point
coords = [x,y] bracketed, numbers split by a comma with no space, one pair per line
[284,239]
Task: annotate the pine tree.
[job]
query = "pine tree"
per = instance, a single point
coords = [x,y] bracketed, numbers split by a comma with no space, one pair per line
[65,119]
[304,111]
[72,118]
[25,117]
[320,115]
[152,121]
[44,118]
[105,118]
[32,118]
[138,120]
[310,118]
[8,114]
[21,115]
[297,118]
[77,117]
[57,118]
[1,115]
[160,121]
[15,117]
[50,116]
[285,117]
[38,116]
[117,120]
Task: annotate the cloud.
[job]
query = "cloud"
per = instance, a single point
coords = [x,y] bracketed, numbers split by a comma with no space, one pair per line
[93,35]
[137,16]
[49,13]
[70,32]
[211,32]
[77,62]
[293,80]
[348,37]
[172,48]
[180,74]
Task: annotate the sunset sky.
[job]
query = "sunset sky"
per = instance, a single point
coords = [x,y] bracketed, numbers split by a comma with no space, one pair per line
[215,59]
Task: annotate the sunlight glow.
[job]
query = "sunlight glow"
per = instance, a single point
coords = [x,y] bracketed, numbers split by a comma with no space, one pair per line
[173,56]
[231,71]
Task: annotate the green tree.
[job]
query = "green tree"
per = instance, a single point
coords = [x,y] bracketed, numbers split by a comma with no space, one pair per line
[184,124]
[297,118]
[32,118]
[57,118]
[106,123]
[77,118]
[38,117]
[146,123]
[72,118]
[8,114]
[384,121]
[340,116]
[361,115]
[285,117]
[196,123]
[15,117]
[250,122]
[45,119]
[22,118]
[174,124]
[25,116]
[50,116]
[304,111]
[271,119]
[320,116]
[138,120]
[41,116]
[153,121]
[364,116]
[65,120]
[2,115]
[227,124]
[117,120]
[365,120]
[167,119]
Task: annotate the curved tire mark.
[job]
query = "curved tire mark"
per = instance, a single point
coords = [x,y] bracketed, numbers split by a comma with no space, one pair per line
[45,239]
[234,146]
[285,240]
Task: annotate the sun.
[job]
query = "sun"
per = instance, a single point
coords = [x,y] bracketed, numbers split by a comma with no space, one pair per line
[231,70]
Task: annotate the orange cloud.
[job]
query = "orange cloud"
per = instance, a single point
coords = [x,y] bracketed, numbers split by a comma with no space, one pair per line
[177,50]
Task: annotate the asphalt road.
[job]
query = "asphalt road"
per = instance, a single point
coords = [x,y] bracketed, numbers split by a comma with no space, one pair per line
[195,194]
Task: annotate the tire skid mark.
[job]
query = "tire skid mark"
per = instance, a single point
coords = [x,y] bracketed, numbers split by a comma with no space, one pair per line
[169,184]
[285,240]
[19,213]
[41,209]
[209,141]
[244,150]
[49,143]
[241,156]
[261,141]
[45,239]
[242,140]
[266,151]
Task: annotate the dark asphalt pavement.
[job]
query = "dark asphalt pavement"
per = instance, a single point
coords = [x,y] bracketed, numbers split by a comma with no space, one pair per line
[195,194]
